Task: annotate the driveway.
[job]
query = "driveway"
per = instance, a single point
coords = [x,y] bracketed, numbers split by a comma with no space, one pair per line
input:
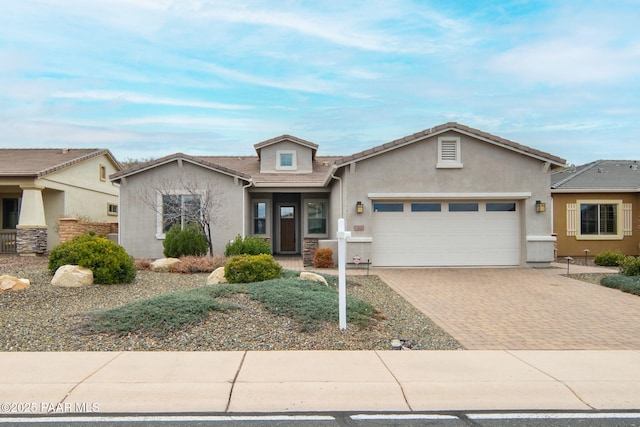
[520,308]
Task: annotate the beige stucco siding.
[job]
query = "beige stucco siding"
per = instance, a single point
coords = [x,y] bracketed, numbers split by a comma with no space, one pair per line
[138,219]
[412,169]
[269,159]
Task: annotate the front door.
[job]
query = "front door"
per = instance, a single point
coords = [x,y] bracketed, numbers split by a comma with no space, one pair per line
[287,228]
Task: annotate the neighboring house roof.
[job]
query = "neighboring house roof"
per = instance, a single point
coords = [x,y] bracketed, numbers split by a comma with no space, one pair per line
[598,176]
[427,133]
[260,145]
[38,162]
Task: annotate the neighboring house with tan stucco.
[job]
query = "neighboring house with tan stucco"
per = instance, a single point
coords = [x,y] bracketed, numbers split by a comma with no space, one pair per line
[450,195]
[597,208]
[40,186]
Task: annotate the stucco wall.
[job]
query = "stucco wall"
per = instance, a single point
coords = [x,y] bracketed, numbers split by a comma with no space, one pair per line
[268,157]
[412,169]
[571,246]
[138,219]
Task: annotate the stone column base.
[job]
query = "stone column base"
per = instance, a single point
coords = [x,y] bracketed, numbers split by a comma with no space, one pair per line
[31,241]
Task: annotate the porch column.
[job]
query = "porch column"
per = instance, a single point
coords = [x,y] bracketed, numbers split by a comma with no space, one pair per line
[31,231]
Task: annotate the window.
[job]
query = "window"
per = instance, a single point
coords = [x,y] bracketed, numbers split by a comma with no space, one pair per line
[103,173]
[426,207]
[449,152]
[10,213]
[317,217]
[501,207]
[388,207]
[463,207]
[286,160]
[597,219]
[179,209]
[112,209]
[260,217]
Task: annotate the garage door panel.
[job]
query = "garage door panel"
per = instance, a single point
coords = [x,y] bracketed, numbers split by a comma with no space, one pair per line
[446,238]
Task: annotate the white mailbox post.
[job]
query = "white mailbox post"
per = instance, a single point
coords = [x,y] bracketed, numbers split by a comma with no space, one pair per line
[342,274]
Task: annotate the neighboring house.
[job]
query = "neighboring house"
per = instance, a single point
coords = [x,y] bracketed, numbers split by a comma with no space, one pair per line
[449,195]
[597,208]
[40,186]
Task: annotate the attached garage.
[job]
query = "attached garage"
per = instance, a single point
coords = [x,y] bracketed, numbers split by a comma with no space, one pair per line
[446,233]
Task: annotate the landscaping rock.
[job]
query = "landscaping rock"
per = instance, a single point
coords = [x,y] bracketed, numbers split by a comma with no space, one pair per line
[307,275]
[164,265]
[12,283]
[72,276]
[216,277]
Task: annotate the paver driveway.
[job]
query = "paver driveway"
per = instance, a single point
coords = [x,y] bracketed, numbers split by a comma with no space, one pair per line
[520,308]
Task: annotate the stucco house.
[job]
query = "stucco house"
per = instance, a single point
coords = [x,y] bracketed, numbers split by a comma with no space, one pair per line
[597,208]
[450,195]
[40,186]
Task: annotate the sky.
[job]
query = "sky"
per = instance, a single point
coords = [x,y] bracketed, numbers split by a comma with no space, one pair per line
[148,78]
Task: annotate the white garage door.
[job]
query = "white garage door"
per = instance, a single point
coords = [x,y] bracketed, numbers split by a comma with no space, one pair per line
[446,233]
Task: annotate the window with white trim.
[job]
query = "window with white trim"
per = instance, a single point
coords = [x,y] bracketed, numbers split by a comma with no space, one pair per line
[286,160]
[316,217]
[449,152]
[112,209]
[259,217]
[179,209]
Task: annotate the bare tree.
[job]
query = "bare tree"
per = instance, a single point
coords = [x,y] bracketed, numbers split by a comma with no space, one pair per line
[183,199]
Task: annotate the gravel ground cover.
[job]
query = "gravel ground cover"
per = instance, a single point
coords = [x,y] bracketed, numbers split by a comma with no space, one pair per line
[45,318]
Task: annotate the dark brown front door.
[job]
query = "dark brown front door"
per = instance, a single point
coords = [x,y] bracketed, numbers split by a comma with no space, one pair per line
[287,229]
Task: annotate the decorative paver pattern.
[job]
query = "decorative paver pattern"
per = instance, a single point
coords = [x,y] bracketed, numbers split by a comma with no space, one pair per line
[520,308]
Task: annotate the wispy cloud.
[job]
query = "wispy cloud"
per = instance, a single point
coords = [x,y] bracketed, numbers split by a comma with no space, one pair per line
[134,98]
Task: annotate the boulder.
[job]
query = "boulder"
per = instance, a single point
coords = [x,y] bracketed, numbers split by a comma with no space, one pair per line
[164,264]
[12,283]
[217,276]
[307,275]
[72,276]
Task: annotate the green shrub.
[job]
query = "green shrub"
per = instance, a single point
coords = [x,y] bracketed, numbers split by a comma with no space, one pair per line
[249,245]
[629,284]
[609,258]
[184,242]
[630,266]
[106,259]
[323,258]
[251,268]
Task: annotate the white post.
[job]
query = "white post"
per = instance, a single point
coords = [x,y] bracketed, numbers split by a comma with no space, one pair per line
[342,274]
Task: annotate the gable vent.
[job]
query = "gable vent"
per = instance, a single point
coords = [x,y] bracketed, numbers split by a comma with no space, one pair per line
[448,151]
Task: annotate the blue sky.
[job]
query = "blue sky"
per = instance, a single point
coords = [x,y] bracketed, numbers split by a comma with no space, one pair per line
[147,78]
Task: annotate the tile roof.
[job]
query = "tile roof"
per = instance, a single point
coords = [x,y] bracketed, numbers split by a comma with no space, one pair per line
[250,165]
[455,127]
[615,175]
[37,162]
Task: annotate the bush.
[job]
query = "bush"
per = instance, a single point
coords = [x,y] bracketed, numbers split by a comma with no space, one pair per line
[323,258]
[609,258]
[251,268]
[630,266]
[249,245]
[624,283]
[183,242]
[106,259]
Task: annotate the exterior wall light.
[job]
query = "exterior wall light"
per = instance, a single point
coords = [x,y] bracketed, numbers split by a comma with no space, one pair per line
[540,207]
[359,207]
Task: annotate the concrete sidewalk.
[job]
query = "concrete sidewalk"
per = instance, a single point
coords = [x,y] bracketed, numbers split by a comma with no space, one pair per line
[228,382]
